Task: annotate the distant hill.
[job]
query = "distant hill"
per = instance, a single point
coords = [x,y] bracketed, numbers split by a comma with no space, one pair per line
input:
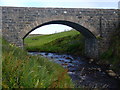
[32,35]
[71,42]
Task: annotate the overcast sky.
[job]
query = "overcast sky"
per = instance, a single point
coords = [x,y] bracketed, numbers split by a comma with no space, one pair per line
[48,29]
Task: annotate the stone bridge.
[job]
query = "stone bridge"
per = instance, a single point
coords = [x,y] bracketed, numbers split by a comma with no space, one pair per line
[97,25]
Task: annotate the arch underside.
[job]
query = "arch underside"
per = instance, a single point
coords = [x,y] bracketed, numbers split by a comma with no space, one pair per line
[84,31]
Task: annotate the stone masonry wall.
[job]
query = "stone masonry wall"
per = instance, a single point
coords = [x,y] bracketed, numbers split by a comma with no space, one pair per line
[18,21]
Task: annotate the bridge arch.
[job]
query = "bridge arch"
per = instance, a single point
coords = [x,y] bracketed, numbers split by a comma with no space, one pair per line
[84,31]
[73,22]
[90,38]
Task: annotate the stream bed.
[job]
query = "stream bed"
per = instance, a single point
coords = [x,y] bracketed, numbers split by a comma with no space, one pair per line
[82,72]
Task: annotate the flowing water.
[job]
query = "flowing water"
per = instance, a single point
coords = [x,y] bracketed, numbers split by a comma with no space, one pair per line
[82,72]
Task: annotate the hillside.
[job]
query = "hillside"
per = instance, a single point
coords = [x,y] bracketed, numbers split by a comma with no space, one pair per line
[71,42]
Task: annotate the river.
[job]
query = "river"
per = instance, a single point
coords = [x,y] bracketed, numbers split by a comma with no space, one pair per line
[82,72]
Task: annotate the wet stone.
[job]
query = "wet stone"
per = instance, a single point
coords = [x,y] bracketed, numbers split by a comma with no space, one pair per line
[71,72]
[68,58]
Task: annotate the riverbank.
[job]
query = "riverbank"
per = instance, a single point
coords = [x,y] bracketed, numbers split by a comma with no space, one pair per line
[20,70]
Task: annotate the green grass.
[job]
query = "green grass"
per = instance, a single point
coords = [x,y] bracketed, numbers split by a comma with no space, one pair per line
[71,42]
[20,70]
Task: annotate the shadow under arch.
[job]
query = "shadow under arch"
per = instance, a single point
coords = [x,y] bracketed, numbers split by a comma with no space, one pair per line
[84,31]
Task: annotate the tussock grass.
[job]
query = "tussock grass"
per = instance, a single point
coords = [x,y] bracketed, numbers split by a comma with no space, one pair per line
[21,70]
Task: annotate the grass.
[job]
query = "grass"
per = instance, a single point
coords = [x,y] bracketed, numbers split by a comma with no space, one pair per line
[71,42]
[20,70]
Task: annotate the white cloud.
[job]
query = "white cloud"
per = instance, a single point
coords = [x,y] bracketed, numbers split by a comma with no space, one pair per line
[60,3]
[50,29]
[73,0]
[27,1]
[11,2]
[24,2]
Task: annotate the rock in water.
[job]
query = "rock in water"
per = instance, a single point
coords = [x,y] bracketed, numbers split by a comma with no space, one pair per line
[68,58]
[111,73]
[91,60]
